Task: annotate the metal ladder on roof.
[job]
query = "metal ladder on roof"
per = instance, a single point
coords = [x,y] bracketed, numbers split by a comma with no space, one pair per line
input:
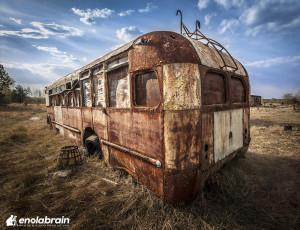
[199,36]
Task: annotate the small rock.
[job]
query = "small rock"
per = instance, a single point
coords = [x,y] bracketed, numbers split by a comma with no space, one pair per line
[62,173]
[34,118]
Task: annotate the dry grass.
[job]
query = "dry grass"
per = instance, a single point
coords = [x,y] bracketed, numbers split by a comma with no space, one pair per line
[260,191]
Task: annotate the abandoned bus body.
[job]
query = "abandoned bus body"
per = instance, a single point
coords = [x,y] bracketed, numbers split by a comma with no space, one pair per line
[163,107]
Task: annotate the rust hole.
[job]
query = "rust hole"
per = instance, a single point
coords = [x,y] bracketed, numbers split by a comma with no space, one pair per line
[172,36]
[206,147]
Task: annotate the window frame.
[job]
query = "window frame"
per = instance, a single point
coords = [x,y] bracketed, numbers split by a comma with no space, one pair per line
[106,82]
[244,86]
[133,87]
[226,85]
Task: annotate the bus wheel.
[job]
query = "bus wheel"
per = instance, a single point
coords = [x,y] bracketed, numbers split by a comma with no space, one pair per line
[92,145]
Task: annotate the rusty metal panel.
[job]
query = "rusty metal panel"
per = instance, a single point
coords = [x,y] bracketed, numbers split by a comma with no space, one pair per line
[65,116]
[118,88]
[145,173]
[182,139]
[238,93]
[228,132]
[100,123]
[128,128]
[207,148]
[74,118]
[59,118]
[214,89]
[87,120]
[141,131]
[183,185]
[210,57]
[162,48]
[181,83]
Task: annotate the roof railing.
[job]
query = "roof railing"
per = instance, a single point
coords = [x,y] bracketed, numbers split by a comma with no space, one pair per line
[199,36]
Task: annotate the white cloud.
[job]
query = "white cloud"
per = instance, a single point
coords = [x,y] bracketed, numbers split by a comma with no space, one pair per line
[87,16]
[16,20]
[58,54]
[43,70]
[117,46]
[40,30]
[126,12]
[228,24]
[274,61]
[149,6]
[207,18]
[271,16]
[227,4]
[202,4]
[128,33]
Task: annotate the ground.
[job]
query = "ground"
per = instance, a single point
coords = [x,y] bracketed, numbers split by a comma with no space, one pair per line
[259,191]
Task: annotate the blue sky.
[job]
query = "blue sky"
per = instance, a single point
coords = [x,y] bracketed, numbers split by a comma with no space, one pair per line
[44,40]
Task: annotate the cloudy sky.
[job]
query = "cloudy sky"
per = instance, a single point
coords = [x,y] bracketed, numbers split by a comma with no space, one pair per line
[42,40]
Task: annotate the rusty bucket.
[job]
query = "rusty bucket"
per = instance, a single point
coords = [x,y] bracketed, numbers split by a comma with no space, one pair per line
[69,156]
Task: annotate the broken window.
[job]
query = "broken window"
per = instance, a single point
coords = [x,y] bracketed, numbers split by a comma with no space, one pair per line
[86,85]
[99,90]
[214,89]
[77,97]
[237,90]
[118,90]
[146,89]
[69,99]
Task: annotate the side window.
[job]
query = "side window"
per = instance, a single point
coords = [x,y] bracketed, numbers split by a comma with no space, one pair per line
[214,89]
[237,90]
[69,98]
[118,90]
[99,98]
[86,85]
[77,97]
[146,89]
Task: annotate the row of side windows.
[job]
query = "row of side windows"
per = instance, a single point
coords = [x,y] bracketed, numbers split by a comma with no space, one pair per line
[214,89]
[145,86]
[146,92]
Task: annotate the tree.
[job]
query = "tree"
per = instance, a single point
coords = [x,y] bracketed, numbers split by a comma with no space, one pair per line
[19,94]
[28,91]
[5,83]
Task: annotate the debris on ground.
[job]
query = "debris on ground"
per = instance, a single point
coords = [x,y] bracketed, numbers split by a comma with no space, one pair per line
[34,118]
[62,173]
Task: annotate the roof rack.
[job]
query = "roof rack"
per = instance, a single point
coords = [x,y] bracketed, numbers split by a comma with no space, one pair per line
[199,36]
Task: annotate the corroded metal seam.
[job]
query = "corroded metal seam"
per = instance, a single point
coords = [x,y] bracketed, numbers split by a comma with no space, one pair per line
[67,127]
[150,160]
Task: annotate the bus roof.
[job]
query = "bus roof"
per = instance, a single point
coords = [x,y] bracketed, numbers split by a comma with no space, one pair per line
[208,55]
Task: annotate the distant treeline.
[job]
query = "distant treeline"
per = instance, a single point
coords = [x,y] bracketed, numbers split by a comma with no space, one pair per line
[9,92]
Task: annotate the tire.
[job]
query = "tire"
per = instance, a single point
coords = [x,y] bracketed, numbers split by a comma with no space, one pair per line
[92,145]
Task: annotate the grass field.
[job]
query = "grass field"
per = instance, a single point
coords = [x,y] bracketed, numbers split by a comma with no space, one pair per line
[260,191]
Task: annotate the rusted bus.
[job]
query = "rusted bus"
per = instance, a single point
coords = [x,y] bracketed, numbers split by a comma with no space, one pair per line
[161,107]
[255,100]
